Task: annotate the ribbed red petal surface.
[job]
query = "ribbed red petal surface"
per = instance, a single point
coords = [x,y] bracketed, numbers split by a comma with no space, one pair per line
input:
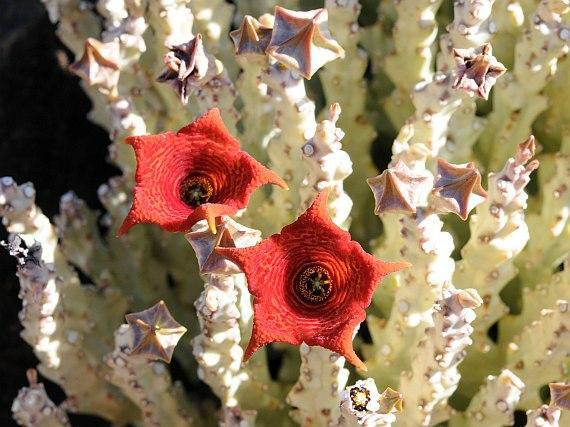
[203,148]
[273,268]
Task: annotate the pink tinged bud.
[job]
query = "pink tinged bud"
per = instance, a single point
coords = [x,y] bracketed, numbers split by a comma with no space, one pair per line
[400,190]
[477,70]
[302,41]
[155,332]
[457,188]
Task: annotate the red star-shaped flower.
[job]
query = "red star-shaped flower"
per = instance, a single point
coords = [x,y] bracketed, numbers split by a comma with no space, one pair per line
[197,173]
[311,283]
[302,41]
[457,188]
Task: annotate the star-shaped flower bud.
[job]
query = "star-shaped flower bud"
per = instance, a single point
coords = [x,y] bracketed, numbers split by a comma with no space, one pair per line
[400,190]
[155,332]
[196,173]
[310,283]
[186,65]
[251,38]
[230,234]
[560,395]
[477,70]
[302,41]
[100,63]
[457,188]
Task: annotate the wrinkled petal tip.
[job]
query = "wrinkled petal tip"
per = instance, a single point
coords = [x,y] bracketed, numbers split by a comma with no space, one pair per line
[128,223]
[388,267]
[130,140]
[279,182]
[355,360]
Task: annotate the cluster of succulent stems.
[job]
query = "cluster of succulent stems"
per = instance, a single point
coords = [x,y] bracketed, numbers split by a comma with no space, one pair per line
[285,266]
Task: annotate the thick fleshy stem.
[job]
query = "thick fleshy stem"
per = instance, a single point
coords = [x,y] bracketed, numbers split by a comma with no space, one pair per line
[217,349]
[294,124]
[63,321]
[425,134]
[540,353]
[33,407]
[315,396]
[518,100]
[342,82]
[322,369]
[412,60]
[549,243]
[224,313]
[147,383]
[533,301]
[498,234]
[494,403]
[472,26]
[434,376]
[428,249]
[300,44]
[362,405]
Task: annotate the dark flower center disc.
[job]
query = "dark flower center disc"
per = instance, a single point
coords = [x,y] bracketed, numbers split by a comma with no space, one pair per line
[359,397]
[314,284]
[196,190]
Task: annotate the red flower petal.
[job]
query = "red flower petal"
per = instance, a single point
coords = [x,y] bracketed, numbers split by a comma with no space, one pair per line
[292,303]
[201,163]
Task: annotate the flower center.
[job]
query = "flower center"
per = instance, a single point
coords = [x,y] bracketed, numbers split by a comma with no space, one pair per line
[360,398]
[196,190]
[314,284]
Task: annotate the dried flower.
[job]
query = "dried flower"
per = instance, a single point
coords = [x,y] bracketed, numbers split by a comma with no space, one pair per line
[100,63]
[186,65]
[477,70]
[458,188]
[197,173]
[302,41]
[251,38]
[399,189]
[155,332]
[311,283]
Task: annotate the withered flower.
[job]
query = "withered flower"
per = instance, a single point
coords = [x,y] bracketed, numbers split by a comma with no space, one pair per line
[186,65]
[310,283]
[477,70]
[155,332]
[302,41]
[194,174]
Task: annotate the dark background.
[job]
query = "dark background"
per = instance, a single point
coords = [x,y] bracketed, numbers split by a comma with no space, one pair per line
[45,138]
